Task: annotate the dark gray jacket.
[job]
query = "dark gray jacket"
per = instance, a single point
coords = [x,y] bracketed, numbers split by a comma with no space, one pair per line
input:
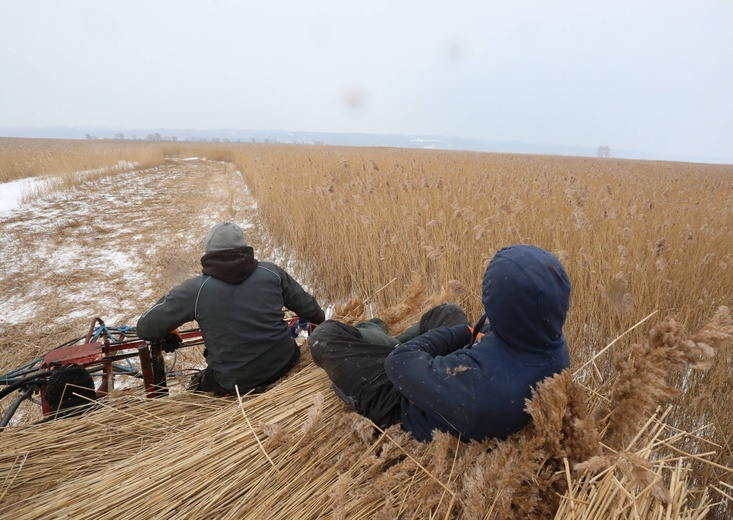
[241,322]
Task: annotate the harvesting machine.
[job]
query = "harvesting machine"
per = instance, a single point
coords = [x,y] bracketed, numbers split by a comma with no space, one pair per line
[62,381]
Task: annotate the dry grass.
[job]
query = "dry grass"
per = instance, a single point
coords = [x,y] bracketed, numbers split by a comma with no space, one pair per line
[635,237]
[372,227]
[295,452]
[65,159]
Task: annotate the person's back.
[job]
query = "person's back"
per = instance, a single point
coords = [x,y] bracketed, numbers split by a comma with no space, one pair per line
[243,326]
[238,303]
[480,392]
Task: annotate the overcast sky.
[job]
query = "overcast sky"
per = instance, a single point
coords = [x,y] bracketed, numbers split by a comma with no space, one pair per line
[653,76]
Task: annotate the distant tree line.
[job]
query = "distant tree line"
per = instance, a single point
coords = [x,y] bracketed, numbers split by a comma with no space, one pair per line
[158,137]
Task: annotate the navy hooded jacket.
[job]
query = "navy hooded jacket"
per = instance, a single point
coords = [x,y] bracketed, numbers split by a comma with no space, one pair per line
[479,392]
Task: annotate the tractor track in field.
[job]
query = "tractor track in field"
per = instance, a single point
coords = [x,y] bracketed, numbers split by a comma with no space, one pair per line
[108,248]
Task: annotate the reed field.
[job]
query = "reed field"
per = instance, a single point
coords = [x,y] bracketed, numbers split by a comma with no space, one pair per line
[640,426]
[68,159]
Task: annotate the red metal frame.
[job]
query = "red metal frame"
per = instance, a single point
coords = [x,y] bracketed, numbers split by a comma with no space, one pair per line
[106,352]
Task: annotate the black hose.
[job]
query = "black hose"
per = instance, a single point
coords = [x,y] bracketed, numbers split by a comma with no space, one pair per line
[25,394]
[19,384]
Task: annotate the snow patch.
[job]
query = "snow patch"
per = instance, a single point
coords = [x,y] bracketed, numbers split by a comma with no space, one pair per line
[12,193]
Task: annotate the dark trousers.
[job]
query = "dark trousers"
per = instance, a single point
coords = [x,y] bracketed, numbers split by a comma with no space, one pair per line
[204,381]
[356,366]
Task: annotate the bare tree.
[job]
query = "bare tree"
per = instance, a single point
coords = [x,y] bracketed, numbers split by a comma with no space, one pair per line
[603,151]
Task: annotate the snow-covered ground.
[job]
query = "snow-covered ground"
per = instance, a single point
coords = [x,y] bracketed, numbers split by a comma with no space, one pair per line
[108,248]
[12,193]
[112,246]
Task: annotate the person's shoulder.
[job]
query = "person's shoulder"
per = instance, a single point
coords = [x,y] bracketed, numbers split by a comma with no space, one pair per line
[270,268]
[194,282]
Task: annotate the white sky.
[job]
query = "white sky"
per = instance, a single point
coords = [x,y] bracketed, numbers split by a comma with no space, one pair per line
[646,75]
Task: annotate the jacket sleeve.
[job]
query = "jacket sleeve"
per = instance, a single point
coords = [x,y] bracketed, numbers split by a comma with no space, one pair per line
[172,310]
[299,301]
[432,371]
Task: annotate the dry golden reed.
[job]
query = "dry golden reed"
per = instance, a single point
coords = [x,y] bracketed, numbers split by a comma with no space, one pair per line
[67,159]
[295,451]
[371,227]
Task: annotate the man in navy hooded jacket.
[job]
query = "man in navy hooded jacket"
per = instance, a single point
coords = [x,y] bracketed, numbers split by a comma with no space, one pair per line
[440,380]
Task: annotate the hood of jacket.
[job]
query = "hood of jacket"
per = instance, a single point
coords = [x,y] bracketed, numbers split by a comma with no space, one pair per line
[230,265]
[526,295]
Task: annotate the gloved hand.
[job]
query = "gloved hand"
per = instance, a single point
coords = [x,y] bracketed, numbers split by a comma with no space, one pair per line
[172,341]
[300,325]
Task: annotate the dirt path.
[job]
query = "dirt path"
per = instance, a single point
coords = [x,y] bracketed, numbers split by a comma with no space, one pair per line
[109,249]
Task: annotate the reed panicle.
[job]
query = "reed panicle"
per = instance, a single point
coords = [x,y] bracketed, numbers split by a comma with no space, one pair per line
[650,370]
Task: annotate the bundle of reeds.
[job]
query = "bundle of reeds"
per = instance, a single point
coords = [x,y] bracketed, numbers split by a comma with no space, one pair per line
[295,452]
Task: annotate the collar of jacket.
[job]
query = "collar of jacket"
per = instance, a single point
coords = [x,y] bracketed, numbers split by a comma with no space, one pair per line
[231,265]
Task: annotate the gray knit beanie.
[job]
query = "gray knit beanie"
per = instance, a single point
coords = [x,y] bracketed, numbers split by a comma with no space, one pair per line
[225,235]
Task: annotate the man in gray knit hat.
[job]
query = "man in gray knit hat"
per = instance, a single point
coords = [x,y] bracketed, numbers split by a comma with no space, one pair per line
[238,303]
